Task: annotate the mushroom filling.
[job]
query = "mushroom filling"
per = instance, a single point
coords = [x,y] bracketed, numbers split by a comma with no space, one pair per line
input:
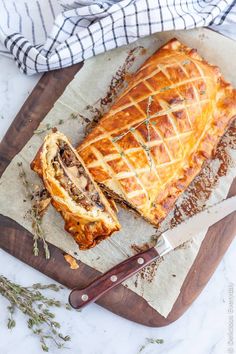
[73,178]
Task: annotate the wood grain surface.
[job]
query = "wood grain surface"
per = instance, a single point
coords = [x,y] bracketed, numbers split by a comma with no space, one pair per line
[17,241]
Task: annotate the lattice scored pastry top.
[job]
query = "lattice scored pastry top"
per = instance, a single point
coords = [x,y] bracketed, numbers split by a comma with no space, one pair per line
[148,148]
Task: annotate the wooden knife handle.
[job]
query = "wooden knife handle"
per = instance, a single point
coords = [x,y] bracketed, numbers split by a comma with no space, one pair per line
[80,298]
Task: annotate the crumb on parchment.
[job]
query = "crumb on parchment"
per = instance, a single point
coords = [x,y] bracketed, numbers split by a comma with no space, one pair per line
[71,261]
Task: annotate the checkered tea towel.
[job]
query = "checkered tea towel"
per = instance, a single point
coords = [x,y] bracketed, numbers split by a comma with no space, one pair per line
[43,35]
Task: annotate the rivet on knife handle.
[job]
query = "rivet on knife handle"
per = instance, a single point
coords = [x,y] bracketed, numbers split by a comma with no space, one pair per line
[79,298]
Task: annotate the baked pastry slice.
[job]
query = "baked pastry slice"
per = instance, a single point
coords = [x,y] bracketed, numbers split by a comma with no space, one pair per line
[87,213]
[152,143]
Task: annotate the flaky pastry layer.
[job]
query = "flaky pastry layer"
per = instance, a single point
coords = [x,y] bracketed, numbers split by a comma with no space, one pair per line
[87,213]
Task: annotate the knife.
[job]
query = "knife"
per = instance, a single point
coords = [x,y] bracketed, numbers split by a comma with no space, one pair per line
[168,241]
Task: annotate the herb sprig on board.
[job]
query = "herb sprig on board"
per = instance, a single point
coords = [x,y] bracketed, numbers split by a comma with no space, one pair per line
[35,213]
[37,307]
[48,126]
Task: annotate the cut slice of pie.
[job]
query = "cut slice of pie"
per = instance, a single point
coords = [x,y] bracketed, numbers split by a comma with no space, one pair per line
[152,143]
[87,213]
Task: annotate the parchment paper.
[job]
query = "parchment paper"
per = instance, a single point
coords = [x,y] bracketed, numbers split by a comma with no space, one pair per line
[160,283]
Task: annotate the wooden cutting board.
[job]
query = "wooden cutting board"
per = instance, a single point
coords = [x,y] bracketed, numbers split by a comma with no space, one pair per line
[15,240]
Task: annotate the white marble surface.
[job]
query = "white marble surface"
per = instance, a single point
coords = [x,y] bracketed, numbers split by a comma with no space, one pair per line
[202,330]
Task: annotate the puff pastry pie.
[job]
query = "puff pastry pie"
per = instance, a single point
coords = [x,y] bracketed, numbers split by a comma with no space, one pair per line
[87,213]
[152,143]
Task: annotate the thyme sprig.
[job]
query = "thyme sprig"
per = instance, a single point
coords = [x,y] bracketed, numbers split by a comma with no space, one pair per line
[37,307]
[147,119]
[147,122]
[186,62]
[150,341]
[47,127]
[35,214]
[38,233]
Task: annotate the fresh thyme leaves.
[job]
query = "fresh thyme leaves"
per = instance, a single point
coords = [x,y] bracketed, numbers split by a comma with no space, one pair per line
[39,202]
[38,286]
[166,88]
[150,99]
[155,341]
[37,307]
[25,183]
[145,147]
[38,233]
[186,62]
[73,116]
[11,323]
[48,126]
[43,129]
[118,137]
[150,341]
[157,114]
[147,122]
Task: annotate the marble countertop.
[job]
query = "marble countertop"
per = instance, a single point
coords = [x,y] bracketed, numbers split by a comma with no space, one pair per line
[203,329]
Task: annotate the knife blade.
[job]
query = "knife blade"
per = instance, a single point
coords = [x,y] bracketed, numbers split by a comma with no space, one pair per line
[185,231]
[168,241]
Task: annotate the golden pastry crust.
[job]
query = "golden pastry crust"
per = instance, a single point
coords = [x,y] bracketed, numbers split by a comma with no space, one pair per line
[87,213]
[152,143]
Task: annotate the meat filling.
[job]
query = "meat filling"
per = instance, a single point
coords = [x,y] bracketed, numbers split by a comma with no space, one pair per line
[118,199]
[74,179]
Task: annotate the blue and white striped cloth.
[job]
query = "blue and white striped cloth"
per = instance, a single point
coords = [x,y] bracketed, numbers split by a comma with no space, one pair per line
[43,35]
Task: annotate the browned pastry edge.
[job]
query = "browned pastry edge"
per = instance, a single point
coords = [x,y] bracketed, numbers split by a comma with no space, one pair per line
[225,111]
